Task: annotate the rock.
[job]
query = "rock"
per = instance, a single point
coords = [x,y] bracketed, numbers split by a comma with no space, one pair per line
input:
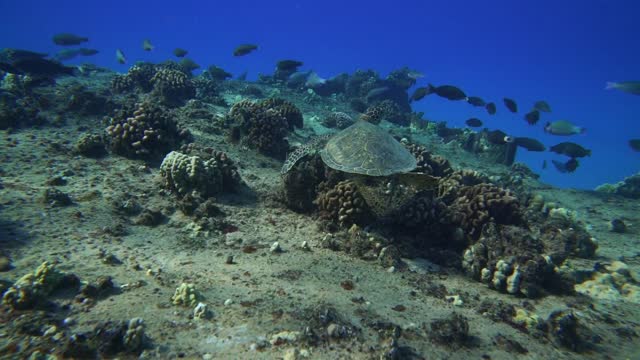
[201,311]
[5,263]
[617,226]
[275,248]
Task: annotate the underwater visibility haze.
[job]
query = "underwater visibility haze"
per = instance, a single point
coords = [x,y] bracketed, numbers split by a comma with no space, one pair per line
[319,179]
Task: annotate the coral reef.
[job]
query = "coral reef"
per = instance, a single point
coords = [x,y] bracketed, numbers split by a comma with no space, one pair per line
[107,340]
[343,205]
[629,187]
[376,113]
[34,287]
[173,87]
[428,163]
[264,125]
[186,295]
[208,175]
[230,176]
[451,331]
[90,145]
[301,182]
[479,204]
[338,120]
[137,78]
[511,259]
[361,82]
[86,102]
[147,132]
[19,111]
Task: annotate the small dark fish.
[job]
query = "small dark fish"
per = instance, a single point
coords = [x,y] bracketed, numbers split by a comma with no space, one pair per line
[491,108]
[570,166]
[298,79]
[570,149]
[147,45]
[88,52]
[544,164]
[120,58]
[178,52]
[476,101]
[448,92]
[532,117]
[530,144]
[420,93]
[631,87]
[511,105]
[187,65]
[66,39]
[244,49]
[473,122]
[542,106]
[66,54]
[218,73]
[634,144]
[498,137]
[288,65]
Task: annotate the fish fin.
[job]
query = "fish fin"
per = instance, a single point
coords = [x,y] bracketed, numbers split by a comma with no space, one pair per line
[611,85]
[430,89]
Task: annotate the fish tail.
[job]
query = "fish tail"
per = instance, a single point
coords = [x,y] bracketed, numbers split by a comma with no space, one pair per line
[611,85]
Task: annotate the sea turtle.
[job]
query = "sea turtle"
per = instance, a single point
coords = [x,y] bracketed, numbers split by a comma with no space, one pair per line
[377,162]
[362,148]
[366,149]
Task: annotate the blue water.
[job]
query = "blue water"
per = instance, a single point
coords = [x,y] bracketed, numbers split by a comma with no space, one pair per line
[560,51]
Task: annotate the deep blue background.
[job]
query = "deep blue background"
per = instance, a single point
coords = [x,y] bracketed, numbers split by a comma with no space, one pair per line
[559,51]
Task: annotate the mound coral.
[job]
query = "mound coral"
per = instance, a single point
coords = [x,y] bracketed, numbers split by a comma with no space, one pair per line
[629,188]
[509,258]
[428,163]
[483,203]
[146,132]
[301,182]
[343,205]
[264,125]
[138,77]
[184,174]
[338,120]
[173,87]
